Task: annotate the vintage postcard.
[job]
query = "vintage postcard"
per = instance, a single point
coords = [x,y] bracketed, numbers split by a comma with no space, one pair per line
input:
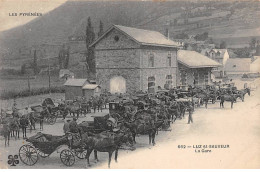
[119,84]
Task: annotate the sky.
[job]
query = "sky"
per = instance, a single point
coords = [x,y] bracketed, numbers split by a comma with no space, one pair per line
[23,6]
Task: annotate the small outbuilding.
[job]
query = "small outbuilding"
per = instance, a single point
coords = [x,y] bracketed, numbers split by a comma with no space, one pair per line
[91,90]
[194,69]
[80,88]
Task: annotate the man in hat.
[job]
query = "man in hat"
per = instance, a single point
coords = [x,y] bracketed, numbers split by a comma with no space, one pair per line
[73,126]
[15,110]
[66,126]
[190,109]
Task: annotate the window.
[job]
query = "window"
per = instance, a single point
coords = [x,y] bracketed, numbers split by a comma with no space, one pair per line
[168,83]
[169,58]
[151,60]
[206,78]
[169,79]
[183,78]
[116,38]
[196,79]
[151,84]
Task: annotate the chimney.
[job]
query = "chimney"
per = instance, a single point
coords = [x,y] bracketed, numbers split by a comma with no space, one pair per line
[167,33]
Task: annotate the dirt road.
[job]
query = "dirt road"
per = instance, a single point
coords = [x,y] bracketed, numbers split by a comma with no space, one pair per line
[236,129]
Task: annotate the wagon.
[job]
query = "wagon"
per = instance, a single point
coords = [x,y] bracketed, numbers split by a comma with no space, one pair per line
[42,110]
[42,145]
[116,108]
[99,124]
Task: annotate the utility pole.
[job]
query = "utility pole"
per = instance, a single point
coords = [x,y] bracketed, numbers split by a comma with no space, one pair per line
[82,71]
[29,85]
[49,75]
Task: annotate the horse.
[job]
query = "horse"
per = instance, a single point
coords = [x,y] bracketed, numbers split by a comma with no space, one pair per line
[100,104]
[34,117]
[230,98]
[84,108]
[73,108]
[24,122]
[14,127]
[105,142]
[174,110]
[241,93]
[144,126]
[196,101]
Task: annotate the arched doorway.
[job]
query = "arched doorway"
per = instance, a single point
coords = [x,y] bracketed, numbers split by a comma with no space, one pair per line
[117,85]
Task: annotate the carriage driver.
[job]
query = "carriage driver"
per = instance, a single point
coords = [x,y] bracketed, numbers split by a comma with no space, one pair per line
[15,110]
[73,126]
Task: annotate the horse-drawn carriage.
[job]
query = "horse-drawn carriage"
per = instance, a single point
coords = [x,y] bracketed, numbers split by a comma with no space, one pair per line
[43,145]
[42,112]
[99,124]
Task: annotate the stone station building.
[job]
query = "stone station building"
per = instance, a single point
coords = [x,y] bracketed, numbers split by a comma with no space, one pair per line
[130,59]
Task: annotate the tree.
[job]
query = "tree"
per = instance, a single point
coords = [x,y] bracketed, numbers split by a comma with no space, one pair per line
[101,29]
[90,37]
[252,43]
[23,68]
[201,37]
[185,46]
[175,22]
[181,36]
[210,41]
[223,45]
[257,53]
[67,58]
[35,65]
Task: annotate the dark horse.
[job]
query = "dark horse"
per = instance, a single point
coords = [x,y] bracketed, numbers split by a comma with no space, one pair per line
[105,142]
[139,126]
[241,93]
[230,98]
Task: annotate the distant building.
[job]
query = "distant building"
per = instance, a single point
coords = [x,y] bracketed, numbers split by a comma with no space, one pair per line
[219,55]
[194,69]
[65,74]
[80,88]
[236,67]
[130,59]
[255,64]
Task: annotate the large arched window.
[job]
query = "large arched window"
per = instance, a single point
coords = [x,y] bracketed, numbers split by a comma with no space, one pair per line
[117,85]
[151,84]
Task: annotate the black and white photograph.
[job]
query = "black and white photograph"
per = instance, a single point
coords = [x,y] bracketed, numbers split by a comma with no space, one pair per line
[134,84]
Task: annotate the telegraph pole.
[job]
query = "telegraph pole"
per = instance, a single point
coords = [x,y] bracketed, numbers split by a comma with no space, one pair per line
[29,85]
[49,75]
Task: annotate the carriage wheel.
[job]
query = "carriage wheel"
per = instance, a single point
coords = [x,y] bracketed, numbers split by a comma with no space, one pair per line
[28,155]
[81,155]
[67,157]
[51,120]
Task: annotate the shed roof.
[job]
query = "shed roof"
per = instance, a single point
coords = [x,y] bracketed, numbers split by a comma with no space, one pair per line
[141,36]
[238,65]
[75,82]
[193,59]
[90,86]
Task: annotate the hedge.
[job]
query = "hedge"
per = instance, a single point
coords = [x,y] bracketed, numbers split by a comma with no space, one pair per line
[4,95]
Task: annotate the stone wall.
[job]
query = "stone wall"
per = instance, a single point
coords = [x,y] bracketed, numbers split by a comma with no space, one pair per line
[109,41]
[126,58]
[161,66]
[132,77]
[160,57]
